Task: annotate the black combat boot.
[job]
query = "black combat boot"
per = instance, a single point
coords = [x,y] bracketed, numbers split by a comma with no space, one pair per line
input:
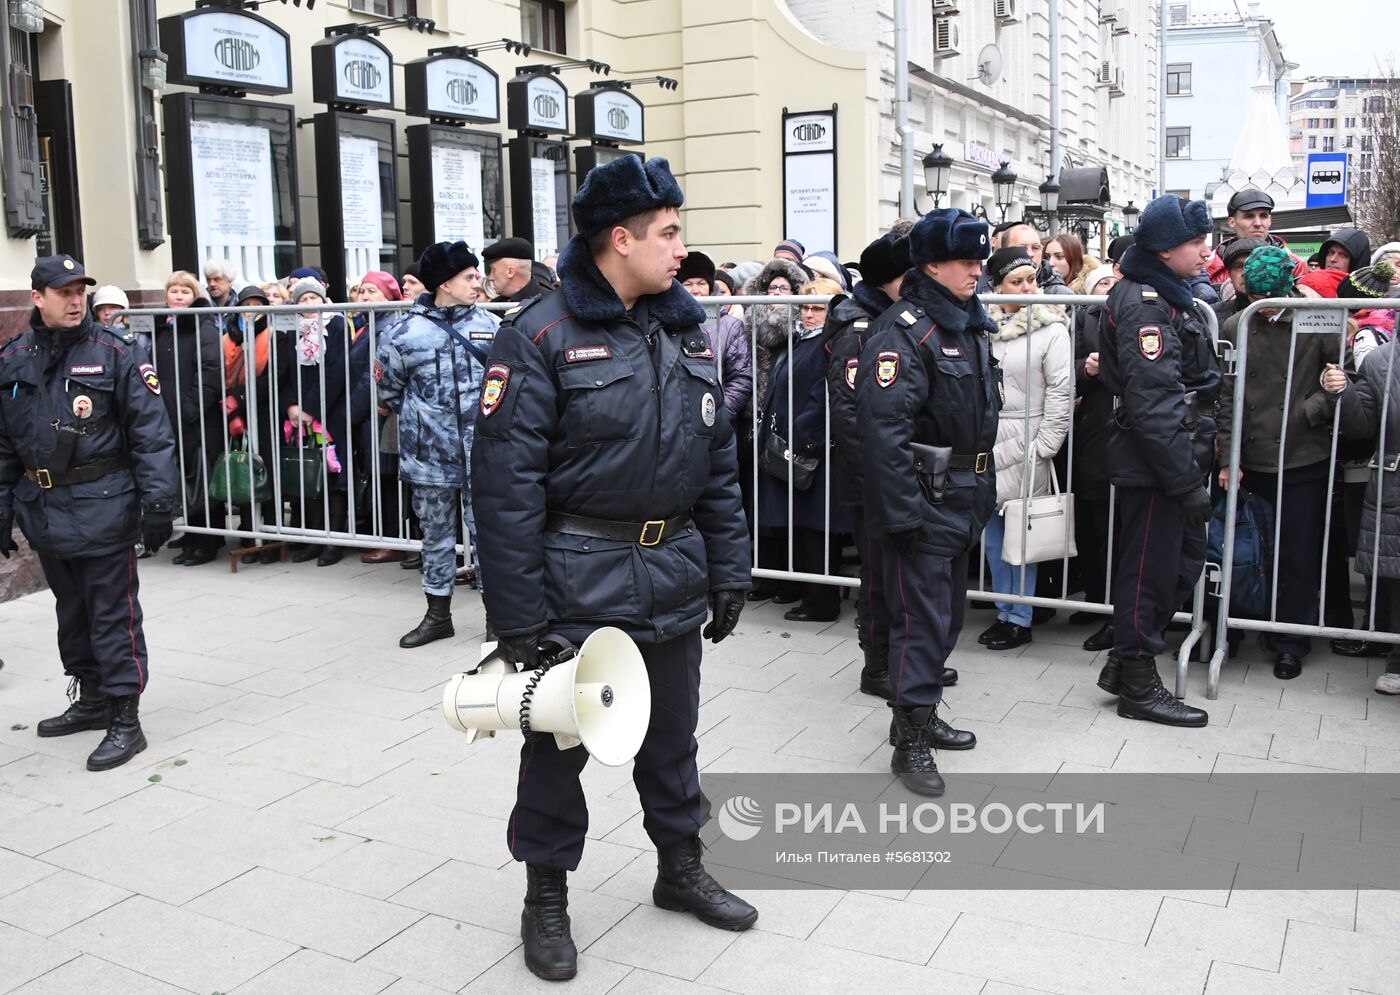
[544,925]
[875,675]
[436,624]
[91,710]
[1109,675]
[945,737]
[124,737]
[950,677]
[1142,696]
[683,885]
[912,759]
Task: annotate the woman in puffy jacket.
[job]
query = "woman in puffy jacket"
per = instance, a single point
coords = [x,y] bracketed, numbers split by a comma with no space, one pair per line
[1036,354]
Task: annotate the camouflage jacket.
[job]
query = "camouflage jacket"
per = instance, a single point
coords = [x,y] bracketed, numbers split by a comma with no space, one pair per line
[432,380]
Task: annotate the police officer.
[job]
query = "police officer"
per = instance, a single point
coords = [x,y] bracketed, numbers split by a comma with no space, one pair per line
[928,392]
[429,371]
[87,465]
[510,270]
[1158,361]
[883,264]
[607,494]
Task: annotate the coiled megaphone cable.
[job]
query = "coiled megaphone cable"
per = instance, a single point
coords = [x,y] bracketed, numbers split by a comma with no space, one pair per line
[562,650]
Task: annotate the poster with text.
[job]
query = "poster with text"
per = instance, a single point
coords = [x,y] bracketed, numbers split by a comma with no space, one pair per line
[543,203]
[233,193]
[362,208]
[809,199]
[457,210]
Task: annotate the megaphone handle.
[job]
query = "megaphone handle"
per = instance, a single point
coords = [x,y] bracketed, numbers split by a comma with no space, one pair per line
[546,662]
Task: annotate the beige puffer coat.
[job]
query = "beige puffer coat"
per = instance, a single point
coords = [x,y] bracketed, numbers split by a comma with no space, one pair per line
[1041,382]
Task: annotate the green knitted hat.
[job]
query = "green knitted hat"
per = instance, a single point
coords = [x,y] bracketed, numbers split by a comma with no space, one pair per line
[1268,272]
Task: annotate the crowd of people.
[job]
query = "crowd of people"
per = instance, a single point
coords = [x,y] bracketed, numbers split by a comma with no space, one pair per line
[313,385]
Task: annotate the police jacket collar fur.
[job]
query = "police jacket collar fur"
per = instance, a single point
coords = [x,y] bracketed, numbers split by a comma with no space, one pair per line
[947,312]
[1143,267]
[592,298]
[872,298]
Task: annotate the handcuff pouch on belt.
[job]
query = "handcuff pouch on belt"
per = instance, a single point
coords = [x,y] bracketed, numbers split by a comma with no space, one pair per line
[931,465]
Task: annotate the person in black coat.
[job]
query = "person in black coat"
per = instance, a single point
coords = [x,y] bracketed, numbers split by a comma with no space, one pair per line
[605,490]
[187,354]
[803,425]
[311,390]
[253,419]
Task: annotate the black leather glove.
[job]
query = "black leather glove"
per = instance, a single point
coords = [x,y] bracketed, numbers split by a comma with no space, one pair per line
[906,541]
[725,607]
[1196,508]
[156,527]
[522,651]
[7,539]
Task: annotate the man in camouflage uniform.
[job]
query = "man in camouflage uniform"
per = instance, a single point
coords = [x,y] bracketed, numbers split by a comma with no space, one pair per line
[429,371]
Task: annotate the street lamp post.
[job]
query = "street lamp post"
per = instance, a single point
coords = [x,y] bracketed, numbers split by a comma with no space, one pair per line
[1050,201]
[1004,183]
[938,170]
[1130,216]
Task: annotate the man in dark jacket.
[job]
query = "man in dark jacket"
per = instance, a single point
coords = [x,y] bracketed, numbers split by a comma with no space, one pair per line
[883,264]
[87,464]
[1232,256]
[606,494]
[1249,214]
[1158,361]
[511,272]
[1346,249]
[928,391]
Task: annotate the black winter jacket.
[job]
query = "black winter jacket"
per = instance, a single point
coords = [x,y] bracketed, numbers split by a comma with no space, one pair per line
[580,416]
[1155,353]
[927,375]
[848,322]
[127,417]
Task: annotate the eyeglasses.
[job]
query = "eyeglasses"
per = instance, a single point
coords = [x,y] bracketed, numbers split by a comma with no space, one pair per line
[812,307]
[779,288]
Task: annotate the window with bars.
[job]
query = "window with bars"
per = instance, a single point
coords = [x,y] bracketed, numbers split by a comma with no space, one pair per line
[19,134]
[150,219]
[1178,143]
[386,8]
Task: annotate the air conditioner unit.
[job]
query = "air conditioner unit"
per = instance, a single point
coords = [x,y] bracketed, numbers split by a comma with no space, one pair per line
[945,38]
[1115,86]
[1108,11]
[1005,11]
[1106,72]
[942,8]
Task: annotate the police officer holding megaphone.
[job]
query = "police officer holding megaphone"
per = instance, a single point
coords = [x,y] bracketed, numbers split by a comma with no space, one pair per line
[605,484]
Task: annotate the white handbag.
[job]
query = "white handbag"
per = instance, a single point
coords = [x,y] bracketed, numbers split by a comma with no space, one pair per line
[1039,528]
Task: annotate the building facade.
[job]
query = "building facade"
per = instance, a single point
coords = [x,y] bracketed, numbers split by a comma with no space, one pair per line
[1338,115]
[1215,53]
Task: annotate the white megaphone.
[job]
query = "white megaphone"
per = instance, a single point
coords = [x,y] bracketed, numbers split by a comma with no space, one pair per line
[598,696]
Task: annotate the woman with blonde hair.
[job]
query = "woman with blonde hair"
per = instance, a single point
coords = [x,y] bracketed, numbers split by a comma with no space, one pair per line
[794,408]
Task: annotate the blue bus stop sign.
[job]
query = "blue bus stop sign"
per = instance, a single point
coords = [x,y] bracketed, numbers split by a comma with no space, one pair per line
[1327,179]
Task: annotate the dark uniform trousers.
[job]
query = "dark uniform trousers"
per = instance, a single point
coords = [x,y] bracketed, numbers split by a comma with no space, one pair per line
[1159,562]
[99,620]
[872,611]
[550,818]
[926,597]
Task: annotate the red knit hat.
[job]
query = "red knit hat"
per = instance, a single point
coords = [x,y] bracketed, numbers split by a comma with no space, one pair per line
[1324,281]
[386,283]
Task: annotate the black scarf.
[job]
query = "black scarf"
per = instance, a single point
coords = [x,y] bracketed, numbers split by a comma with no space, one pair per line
[1144,267]
[947,311]
[592,298]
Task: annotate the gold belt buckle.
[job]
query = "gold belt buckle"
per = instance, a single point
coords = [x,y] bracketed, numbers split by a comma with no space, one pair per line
[660,525]
[981,464]
[44,479]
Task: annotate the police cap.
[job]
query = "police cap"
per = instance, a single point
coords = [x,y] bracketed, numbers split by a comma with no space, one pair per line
[58,271]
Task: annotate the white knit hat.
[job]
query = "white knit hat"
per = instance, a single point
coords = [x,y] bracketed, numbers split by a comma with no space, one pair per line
[110,295]
[1375,256]
[1095,275]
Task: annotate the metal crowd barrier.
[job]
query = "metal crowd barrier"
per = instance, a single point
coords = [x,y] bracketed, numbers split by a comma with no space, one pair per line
[1320,317]
[368,523]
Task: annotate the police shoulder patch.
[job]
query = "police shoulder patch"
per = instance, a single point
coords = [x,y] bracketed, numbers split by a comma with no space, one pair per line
[493,388]
[1149,294]
[1150,341]
[149,378]
[886,368]
[861,325]
[908,318]
[852,365]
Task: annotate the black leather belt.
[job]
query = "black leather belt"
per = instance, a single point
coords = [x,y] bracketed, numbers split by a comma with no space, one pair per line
[49,479]
[976,462]
[642,533]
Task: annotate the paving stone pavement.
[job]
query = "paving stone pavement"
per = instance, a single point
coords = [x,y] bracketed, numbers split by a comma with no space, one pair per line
[304,821]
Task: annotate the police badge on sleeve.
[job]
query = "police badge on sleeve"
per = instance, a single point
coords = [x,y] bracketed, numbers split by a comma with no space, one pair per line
[886,368]
[1150,341]
[852,365]
[493,388]
[149,378]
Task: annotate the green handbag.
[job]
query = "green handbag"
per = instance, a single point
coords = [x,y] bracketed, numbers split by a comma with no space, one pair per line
[240,477]
[303,471]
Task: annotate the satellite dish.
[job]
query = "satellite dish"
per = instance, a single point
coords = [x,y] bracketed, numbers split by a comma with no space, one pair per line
[989,65]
